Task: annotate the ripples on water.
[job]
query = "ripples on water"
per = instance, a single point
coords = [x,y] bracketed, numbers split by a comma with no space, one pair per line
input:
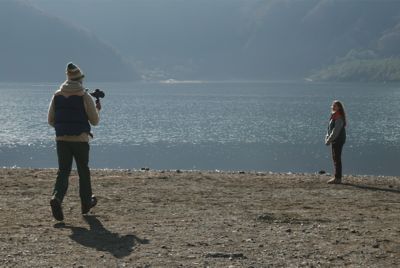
[263,126]
[221,113]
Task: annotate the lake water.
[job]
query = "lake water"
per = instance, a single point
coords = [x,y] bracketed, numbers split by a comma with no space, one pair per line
[261,126]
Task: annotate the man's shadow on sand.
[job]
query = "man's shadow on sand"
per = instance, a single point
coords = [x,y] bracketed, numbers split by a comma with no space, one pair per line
[98,237]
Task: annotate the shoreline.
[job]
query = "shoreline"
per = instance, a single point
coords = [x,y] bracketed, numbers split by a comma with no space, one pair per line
[368,160]
[216,171]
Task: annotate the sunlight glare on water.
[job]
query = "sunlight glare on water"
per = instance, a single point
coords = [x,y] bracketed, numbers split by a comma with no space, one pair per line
[259,125]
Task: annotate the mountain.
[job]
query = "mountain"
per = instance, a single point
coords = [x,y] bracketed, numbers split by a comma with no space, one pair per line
[303,37]
[164,39]
[243,39]
[36,46]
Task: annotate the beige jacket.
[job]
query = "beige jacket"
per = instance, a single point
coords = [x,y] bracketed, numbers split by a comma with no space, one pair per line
[70,88]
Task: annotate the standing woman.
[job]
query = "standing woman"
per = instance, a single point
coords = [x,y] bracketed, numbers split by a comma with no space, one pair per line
[336,136]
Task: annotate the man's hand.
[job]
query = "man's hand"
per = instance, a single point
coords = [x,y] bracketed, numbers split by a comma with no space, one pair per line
[98,105]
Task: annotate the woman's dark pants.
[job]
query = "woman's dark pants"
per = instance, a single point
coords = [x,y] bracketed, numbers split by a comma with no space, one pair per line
[66,152]
[337,148]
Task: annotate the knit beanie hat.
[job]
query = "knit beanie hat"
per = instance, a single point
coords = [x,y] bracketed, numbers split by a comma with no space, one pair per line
[73,72]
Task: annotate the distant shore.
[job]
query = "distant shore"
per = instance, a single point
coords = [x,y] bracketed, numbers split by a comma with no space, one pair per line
[199,219]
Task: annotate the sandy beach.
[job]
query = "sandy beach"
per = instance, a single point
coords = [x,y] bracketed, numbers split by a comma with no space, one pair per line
[201,219]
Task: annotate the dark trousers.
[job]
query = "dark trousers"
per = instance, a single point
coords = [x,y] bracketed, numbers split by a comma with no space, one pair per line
[66,152]
[337,148]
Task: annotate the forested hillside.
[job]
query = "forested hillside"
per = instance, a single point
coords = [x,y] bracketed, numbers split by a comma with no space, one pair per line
[36,46]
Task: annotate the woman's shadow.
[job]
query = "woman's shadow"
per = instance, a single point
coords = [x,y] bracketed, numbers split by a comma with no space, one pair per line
[98,237]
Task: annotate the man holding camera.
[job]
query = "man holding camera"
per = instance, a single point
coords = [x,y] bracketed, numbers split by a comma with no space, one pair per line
[72,112]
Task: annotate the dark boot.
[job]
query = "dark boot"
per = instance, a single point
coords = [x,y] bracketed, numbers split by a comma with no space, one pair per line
[56,209]
[87,206]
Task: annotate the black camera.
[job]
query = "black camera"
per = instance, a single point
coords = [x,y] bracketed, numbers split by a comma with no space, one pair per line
[97,94]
